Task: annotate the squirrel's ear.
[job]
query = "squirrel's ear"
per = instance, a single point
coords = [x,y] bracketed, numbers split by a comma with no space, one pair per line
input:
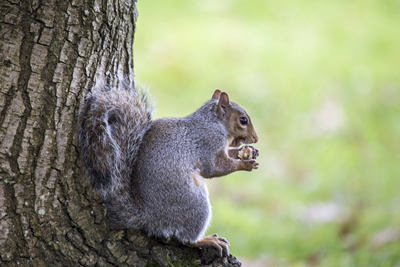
[223,104]
[216,94]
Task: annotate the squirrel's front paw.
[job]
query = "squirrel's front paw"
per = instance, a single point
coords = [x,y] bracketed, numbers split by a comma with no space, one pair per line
[248,164]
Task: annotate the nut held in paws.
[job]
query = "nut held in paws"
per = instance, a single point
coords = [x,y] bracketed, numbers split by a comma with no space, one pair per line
[245,153]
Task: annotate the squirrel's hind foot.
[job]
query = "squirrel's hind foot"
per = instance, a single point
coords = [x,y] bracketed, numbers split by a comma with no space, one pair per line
[219,243]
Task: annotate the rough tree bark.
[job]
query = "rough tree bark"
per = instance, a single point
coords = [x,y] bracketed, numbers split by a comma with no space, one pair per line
[50,53]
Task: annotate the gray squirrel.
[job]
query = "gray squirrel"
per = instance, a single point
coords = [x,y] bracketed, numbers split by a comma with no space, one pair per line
[150,172]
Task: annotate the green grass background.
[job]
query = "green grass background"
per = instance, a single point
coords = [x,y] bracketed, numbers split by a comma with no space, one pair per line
[321,82]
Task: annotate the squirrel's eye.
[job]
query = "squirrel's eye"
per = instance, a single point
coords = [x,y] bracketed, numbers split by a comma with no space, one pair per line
[243,121]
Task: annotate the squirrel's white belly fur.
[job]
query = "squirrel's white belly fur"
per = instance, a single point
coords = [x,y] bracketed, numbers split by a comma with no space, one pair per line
[201,184]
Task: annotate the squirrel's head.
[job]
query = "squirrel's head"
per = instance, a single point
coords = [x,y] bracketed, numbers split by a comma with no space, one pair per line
[236,121]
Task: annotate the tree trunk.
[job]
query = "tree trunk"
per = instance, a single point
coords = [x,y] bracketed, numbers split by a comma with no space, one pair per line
[51,52]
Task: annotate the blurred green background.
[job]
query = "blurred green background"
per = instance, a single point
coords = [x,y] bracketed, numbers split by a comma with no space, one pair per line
[321,82]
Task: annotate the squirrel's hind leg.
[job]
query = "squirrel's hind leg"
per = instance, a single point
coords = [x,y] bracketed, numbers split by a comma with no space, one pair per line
[219,243]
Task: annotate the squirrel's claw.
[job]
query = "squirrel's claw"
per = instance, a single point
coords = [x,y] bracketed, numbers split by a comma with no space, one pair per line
[223,240]
[220,238]
[255,166]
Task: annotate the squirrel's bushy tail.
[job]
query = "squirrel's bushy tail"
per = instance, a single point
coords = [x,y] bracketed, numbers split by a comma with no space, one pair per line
[112,123]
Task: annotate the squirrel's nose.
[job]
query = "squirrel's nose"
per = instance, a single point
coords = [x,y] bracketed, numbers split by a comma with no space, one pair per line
[255,139]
